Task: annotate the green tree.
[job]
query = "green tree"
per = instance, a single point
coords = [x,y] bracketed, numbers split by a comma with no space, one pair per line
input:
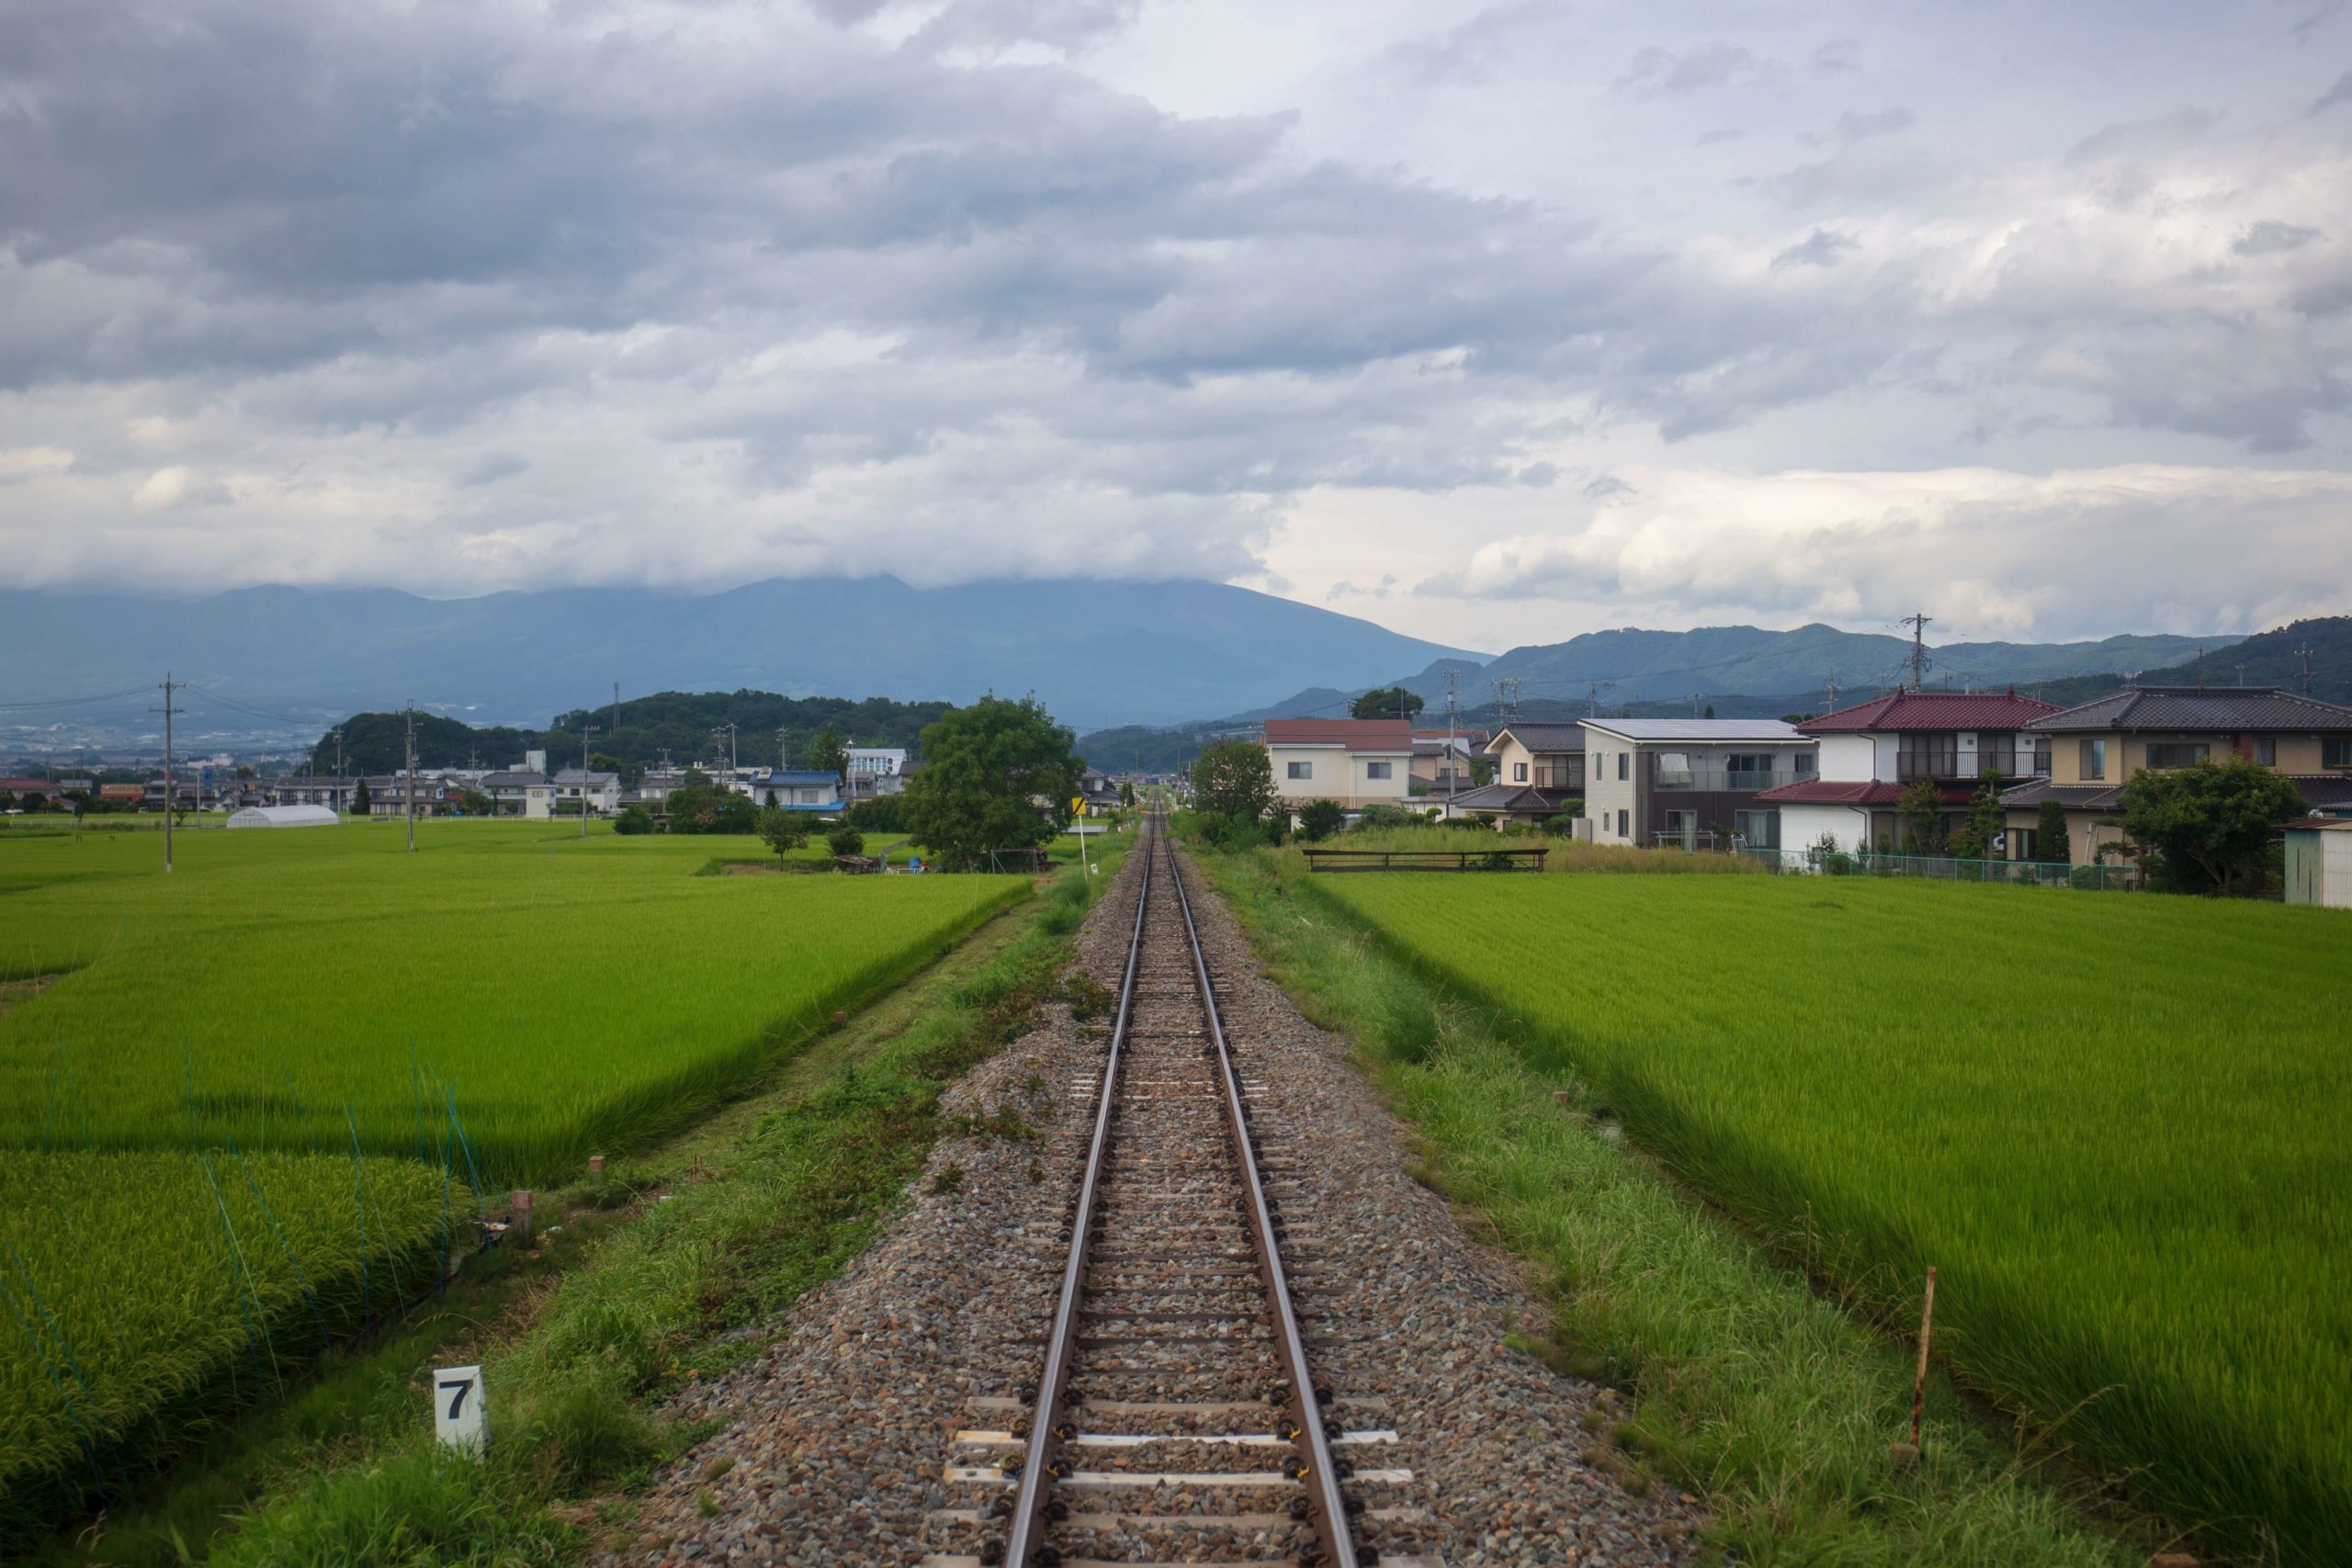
[1386,702]
[1126,791]
[784,830]
[997,774]
[699,806]
[1233,780]
[360,804]
[473,802]
[1921,807]
[2210,825]
[1972,840]
[1318,819]
[845,840]
[633,820]
[882,814]
[2051,842]
[827,753]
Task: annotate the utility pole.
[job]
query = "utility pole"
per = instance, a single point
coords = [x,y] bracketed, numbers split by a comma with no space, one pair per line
[1452,725]
[586,731]
[1592,699]
[171,786]
[2304,653]
[617,709]
[338,770]
[1508,685]
[1918,624]
[784,748]
[409,792]
[1833,689]
[728,730]
[1694,704]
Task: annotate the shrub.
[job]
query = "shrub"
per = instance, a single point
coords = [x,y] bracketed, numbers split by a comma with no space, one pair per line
[632,822]
[1318,819]
[845,840]
[784,830]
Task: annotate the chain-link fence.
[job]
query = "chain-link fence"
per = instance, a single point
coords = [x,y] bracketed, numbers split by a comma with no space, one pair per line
[1816,861]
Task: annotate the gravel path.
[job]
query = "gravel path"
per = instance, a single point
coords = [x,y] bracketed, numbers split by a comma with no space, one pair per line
[842,1441]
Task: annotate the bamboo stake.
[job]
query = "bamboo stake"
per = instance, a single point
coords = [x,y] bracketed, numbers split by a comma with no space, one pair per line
[1920,1386]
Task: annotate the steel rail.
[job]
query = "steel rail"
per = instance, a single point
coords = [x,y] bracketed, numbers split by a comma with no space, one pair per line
[1028,1508]
[1322,1483]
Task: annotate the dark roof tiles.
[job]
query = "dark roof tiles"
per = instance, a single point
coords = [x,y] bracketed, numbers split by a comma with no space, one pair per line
[2232,708]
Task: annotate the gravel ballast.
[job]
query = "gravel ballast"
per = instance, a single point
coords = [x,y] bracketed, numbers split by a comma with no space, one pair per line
[842,1441]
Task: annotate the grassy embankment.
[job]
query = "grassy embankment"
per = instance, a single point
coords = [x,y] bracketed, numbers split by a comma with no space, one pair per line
[1566,854]
[660,1273]
[114,1353]
[1750,1387]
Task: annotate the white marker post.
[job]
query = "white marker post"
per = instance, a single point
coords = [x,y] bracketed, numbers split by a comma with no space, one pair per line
[460,1413]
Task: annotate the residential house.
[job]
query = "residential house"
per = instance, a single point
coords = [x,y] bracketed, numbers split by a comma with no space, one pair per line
[313,789]
[874,771]
[122,794]
[2096,749]
[1443,761]
[510,791]
[796,789]
[1538,774]
[1099,790]
[1873,752]
[32,789]
[1356,761]
[569,793]
[1689,782]
[389,795]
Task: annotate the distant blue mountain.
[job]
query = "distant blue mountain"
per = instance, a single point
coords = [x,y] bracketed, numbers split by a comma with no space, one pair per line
[1094,653]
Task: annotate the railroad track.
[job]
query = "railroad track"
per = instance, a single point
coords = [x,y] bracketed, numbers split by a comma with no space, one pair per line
[1174,1415]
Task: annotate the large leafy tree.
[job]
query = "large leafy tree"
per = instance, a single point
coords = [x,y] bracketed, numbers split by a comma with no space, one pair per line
[699,806]
[1235,780]
[827,753]
[996,775]
[2210,825]
[1921,807]
[1386,702]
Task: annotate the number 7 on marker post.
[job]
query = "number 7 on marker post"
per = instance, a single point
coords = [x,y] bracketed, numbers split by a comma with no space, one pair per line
[460,1413]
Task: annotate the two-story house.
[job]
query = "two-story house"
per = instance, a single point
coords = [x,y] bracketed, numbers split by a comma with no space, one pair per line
[1538,772]
[2096,749]
[1443,761]
[572,791]
[1356,761]
[1687,783]
[1873,752]
[796,789]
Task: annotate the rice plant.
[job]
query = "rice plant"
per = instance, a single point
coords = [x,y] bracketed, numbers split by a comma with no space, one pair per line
[2116,1126]
[148,1292]
[559,996]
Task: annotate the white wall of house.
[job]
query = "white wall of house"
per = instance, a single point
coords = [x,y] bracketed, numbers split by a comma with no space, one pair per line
[1855,758]
[1802,826]
[1609,798]
[535,801]
[1330,771]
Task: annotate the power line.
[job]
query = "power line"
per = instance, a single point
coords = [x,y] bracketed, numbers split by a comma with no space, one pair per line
[1918,624]
[171,787]
[77,702]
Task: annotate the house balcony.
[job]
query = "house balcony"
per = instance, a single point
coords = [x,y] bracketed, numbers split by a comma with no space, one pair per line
[1723,781]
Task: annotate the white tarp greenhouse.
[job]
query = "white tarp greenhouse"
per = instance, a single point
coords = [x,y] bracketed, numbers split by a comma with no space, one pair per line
[283,817]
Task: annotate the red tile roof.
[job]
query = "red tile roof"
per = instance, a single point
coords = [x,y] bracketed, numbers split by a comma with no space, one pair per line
[1932,710]
[1356,734]
[1854,792]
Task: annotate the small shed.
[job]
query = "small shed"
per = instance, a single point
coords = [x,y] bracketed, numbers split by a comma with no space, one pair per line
[2319,862]
[283,817]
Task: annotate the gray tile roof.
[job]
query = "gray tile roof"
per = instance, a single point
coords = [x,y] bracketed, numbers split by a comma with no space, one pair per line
[1541,737]
[2214,707]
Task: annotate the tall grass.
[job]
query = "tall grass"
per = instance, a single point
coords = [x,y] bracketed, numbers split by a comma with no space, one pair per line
[2116,1126]
[563,996]
[145,1292]
[1566,854]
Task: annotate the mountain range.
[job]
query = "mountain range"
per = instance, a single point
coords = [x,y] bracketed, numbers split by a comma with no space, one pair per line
[1094,653]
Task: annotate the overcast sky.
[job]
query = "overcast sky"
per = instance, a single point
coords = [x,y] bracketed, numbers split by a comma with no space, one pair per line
[1494,325]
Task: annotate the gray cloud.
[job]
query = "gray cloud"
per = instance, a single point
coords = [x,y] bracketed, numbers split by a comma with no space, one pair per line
[1716,63]
[2270,237]
[1470,52]
[1821,248]
[2339,94]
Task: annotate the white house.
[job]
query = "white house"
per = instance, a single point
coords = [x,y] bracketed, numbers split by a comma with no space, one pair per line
[796,790]
[1687,783]
[1872,751]
[572,790]
[1356,761]
[875,771]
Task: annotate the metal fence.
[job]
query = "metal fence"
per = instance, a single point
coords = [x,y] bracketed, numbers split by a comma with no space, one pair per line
[2099,878]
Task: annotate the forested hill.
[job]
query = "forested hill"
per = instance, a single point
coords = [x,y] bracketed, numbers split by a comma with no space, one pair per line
[2266,659]
[688,727]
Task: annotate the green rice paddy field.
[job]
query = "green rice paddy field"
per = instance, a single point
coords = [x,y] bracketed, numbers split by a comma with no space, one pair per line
[244,1106]
[2120,1126]
[566,995]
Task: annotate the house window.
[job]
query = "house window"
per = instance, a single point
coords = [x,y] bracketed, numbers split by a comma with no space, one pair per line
[2042,756]
[2094,764]
[1623,758]
[2266,751]
[2177,754]
[1998,752]
[1376,770]
[1758,830]
[1927,757]
[1625,825]
[2336,752]
[1302,770]
[1518,772]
